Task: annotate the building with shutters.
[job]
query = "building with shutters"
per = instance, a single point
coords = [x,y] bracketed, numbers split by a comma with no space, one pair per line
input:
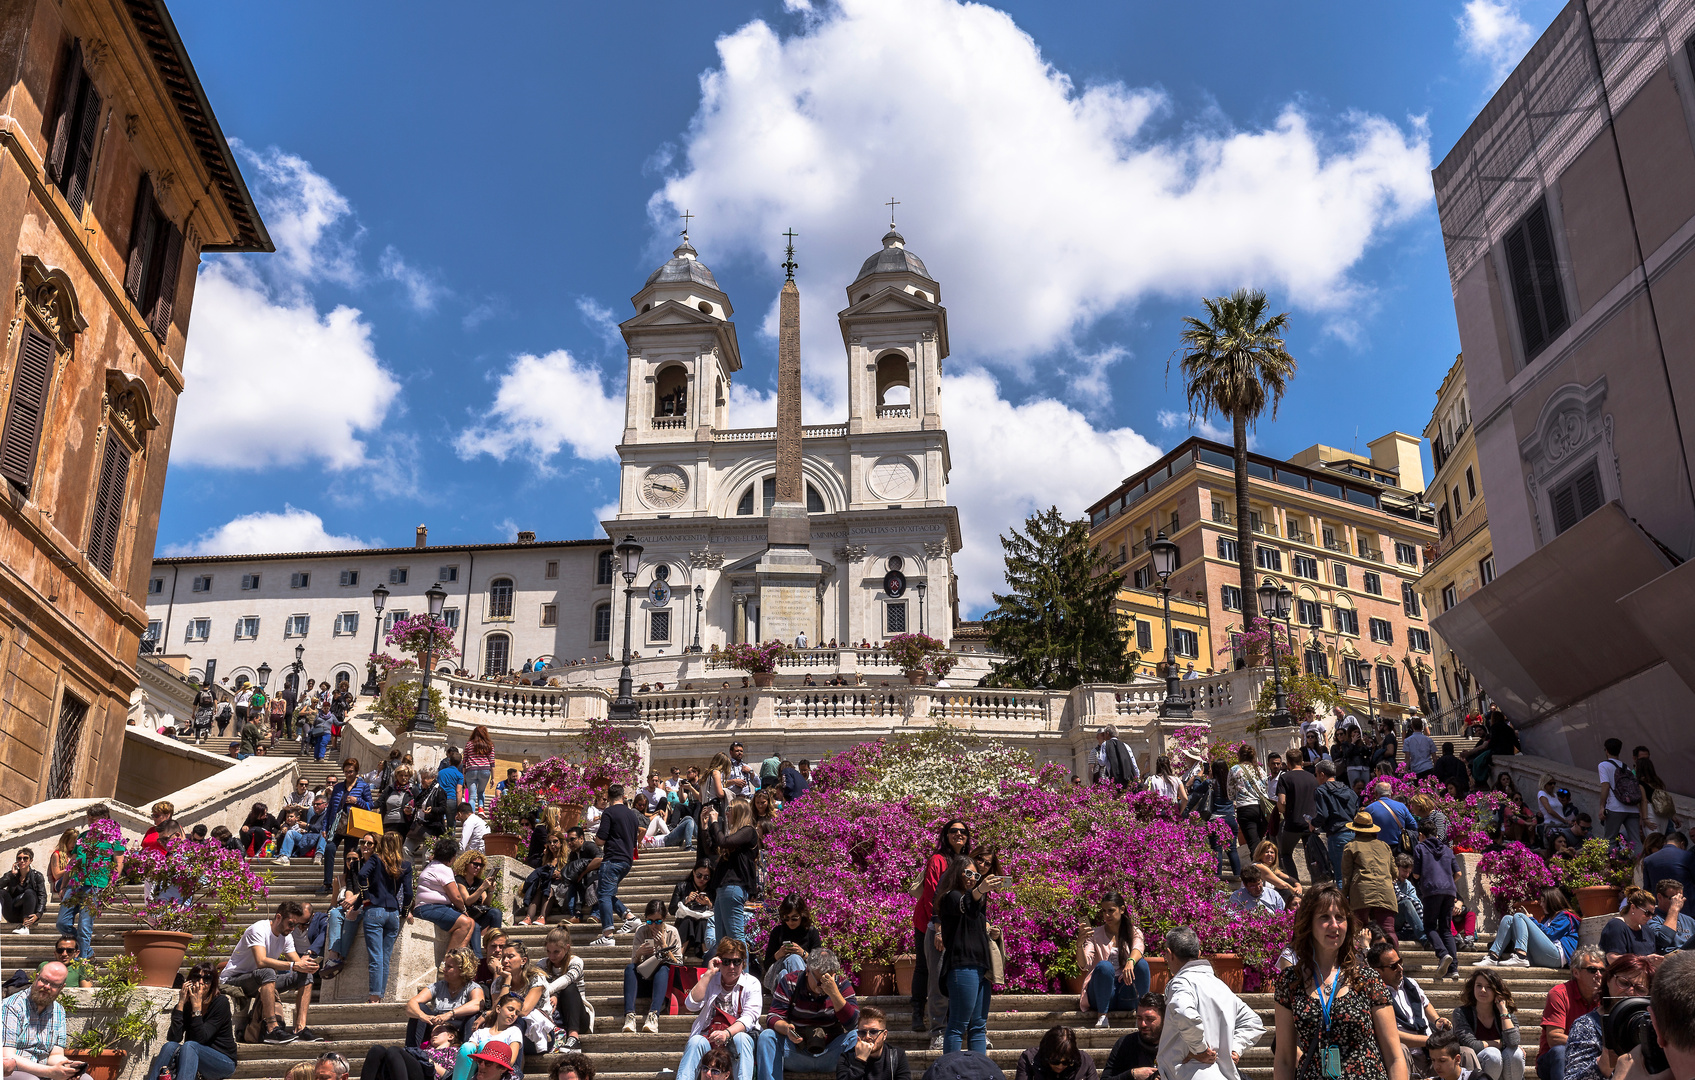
[1345,532]
[1461,559]
[116,178]
[1568,216]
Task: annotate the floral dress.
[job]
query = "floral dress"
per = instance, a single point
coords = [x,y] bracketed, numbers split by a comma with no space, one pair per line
[1351,1026]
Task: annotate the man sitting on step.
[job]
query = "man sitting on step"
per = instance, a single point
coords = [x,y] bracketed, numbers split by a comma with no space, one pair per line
[266,964]
[812,1019]
[728,1002]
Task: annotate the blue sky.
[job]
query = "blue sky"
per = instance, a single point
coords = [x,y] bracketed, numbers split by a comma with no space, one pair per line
[463,207]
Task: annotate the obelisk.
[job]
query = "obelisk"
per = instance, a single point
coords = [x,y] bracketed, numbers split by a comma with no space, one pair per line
[788,573]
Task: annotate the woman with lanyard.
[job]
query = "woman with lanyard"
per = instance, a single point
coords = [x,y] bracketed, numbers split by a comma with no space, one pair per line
[1336,1010]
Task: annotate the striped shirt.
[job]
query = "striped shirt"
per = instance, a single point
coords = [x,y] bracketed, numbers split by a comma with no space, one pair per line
[34,1033]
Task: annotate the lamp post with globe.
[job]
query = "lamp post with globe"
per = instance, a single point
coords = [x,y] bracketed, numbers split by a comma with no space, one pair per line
[1274,602]
[1165,554]
[629,555]
[421,720]
[379,597]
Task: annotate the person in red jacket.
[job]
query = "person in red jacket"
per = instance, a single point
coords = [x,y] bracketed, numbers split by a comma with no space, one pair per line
[954,839]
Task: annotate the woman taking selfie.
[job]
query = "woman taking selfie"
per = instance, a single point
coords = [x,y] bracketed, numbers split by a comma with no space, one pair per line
[953,841]
[1330,1005]
[201,1038]
[963,912]
[654,950]
[737,872]
[1110,957]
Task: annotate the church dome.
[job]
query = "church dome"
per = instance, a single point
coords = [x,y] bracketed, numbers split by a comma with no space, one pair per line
[894,259]
[684,266]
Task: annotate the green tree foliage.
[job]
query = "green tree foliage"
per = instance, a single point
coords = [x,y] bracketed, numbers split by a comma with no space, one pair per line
[1059,624]
[1234,364]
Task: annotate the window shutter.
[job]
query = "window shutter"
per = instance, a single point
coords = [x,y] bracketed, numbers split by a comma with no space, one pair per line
[1564,500]
[140,242]
[64,129]
[1588,489]
[22,437]
[1524,294]
[1541,235]
[170,260]
[109,504]
[87,123]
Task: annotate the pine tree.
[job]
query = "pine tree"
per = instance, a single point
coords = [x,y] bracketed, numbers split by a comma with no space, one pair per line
[1059,625]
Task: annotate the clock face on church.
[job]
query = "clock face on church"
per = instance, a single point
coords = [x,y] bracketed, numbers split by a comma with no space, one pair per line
[664,487]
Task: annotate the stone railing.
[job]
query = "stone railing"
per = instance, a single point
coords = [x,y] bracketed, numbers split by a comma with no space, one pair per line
[830,703]
[469,697]
[976,706]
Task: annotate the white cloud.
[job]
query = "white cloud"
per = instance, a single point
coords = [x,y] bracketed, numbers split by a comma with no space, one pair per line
[1495,32]
[268,532]
[271,381]
[308,219]
[421,289]
[1010,461]
[1039,207]
[544,404]
[1216,430]
[599,318]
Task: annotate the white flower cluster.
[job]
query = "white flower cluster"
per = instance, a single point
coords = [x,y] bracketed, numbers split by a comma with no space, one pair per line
[944,762]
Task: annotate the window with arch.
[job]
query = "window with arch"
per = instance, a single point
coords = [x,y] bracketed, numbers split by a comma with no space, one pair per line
[671,391]
[894,385]
[500,598]
[497,654]
[50,316]
[603,568]
[603,622]
[768,499]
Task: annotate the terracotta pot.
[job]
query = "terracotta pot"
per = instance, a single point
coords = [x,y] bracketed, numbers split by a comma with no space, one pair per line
[1229,969]
[102,1064]
[876,980]
[1598,900]
[764,678]
[570,814]
[1533,909]
[916,678]
[1074,985]
[159,953]
[1158,976]
[905,964]
[501,843]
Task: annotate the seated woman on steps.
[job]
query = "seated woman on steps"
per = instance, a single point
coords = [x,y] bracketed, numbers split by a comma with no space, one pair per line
[538,887]
[691,907]
[792,939]
[574,1015]
[434,1060]
[450,1002]
[653,951]
[201,1039]
[521,976]
[434,897]
[498,1025]
[1110,956]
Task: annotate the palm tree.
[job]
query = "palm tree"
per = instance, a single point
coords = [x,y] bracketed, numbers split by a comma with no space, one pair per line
[1234,364]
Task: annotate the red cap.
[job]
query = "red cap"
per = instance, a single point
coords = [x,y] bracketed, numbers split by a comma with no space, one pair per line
[498,1052]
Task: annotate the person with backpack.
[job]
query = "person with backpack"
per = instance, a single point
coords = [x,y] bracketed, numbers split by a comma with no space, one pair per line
[1335,805]
[1435,868]
[1621,796]
[1392,817]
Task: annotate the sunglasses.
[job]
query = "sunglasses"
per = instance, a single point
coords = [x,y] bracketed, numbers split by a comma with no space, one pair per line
[710,1071]
[870,1033]
[66,950]
[958,832]
[731,963]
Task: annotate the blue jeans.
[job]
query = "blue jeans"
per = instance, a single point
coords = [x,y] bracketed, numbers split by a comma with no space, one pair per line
[445,917]
[296,841]
[382,926]
[729,911]
[682,835]
[322,746]
[1552,1064]
[1107,994]
[348,843]
[777,1054]
[653,987]
[611,875]
[1334,844]
[968,1010]
[77,921]
[193,1059]
[477,780]
[1519,931]
[740,1045]
[338,935]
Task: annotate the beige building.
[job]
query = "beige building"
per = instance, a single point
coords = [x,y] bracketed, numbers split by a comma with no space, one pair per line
[1345,531]
[114,178]
[1461,559]
[1568,212]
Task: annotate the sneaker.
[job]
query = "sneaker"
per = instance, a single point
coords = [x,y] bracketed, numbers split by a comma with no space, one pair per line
[281,860]
[569,1042]
[22,930]
[630,925]
[651,1024]
[1515,960]
[936,1042]
[630,1023]
[1488,960]
[306,1034]
[1103,1022]
[602,941]
[279,1035]
[1444,965]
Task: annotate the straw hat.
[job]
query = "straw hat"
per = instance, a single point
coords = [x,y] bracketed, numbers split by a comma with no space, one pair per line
[1363,825]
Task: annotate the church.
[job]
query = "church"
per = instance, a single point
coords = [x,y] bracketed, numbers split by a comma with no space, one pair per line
[837,531]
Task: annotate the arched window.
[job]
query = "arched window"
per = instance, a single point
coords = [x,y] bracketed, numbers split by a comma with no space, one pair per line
[603,568]
[894,387]
[814,501]
[497,654]
[671,391]
[744,508]
[500,598]
[603,622]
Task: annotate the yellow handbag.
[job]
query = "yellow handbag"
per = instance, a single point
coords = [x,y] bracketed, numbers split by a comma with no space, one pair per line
[360,822]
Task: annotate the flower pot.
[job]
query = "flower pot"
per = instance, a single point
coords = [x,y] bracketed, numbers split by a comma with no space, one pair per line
[876,980]
[1074,984]
[1158,976]
[1229,969]
[1598,900]
[159,953]
[501,843]
[916,678]
[1532,908]
[905,964]
[569,814]
[764,678]
[102,1064]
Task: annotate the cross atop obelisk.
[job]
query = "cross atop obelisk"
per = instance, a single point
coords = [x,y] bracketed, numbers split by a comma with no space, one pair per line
[789,489]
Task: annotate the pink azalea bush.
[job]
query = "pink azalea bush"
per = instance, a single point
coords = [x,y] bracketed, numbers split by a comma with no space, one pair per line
[606,757]
[1471,821]
[1517,875]
[193,885]
[921,652]
[756,659]
[423,632]
[857,858]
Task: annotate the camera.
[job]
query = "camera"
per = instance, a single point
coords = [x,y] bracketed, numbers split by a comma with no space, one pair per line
[1630,1027]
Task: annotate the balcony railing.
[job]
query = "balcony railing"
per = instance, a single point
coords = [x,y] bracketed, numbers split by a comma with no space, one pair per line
[661,423]
[1371,553]
[1138,547]
[1263,528]
[1297,535]
[1224,517]
[1332,544]
[894,412]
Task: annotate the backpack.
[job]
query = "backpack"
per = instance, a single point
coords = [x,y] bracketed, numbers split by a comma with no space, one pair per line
[1625,788]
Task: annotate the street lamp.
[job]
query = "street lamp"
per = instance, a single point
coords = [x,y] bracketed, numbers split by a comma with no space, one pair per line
[630,559]
[421,720]
[1270,596]
[379,597]
[264,675]
[923,587]
[1164,554]
[299,665]
[699,595]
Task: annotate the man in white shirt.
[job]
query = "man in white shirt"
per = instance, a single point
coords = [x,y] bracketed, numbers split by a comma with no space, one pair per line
[743,1000]
[739,779]
[1255,890]
[800,640]
[1421,750]
[266,964]
[472,828]
[1619,815]
[1207,1027]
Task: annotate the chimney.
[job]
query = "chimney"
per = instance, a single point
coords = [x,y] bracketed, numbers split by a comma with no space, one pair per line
[423,536]
[526,537]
